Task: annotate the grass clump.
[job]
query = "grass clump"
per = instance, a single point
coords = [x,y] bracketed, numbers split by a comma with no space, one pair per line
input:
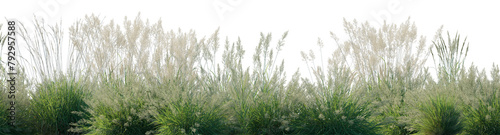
[268,110]
[332,107]
[335,115]
[53,103]
[333,111]
[386,62]
[440,116]
[118,106]
[485,119]
[52,93]
[186,102]
[186,117]
[450,55]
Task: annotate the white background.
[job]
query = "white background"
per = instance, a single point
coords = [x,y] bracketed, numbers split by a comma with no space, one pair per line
[306,21]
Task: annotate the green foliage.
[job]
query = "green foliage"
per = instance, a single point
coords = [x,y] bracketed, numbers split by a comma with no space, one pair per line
[267,111]
[391,97]
[334,115]
[440,116]
[258,101]
[186,117]
[268,118]
[22,101]
[386,63]
[333,109]
[181,109]
[50,95]
[118,106]
[53,103]
[484,118]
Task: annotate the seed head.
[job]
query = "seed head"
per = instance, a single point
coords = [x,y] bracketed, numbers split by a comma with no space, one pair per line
[321,116]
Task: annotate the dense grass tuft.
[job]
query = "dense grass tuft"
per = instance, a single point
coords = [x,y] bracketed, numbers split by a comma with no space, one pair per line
[186,117]
[118,106]
[440,116]
[485,119]
[53,103]
[335,115]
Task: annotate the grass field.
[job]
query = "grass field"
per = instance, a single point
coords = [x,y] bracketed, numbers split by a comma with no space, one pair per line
[137,78]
